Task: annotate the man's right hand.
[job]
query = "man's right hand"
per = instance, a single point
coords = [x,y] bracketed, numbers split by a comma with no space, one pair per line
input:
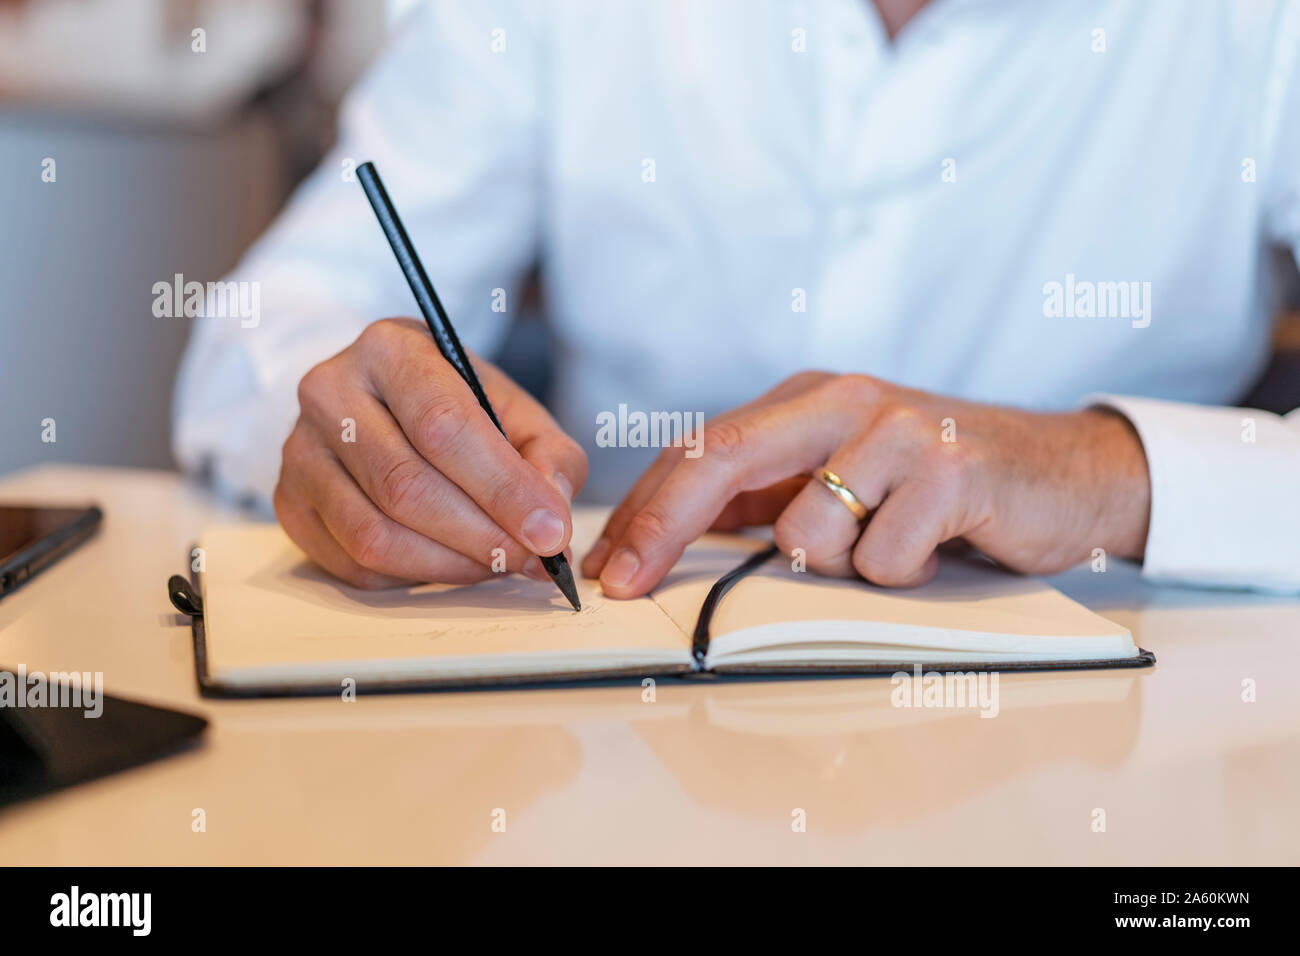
[394,475]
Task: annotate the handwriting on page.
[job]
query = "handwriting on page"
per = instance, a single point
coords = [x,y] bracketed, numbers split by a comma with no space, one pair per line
[592,616]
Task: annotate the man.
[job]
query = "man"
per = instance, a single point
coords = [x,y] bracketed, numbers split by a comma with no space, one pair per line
[1028,244]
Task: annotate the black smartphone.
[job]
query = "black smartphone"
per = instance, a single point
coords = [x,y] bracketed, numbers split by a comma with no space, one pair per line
[32,538]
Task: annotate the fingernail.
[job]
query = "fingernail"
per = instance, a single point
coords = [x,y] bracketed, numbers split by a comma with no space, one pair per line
[543,531]
[563,486]
[533,569]
[595,559]
[621,568]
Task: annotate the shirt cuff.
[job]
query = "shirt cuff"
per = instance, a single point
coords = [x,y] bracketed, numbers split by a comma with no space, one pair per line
[1225,493]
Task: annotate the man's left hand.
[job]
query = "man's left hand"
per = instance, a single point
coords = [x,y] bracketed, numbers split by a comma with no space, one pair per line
[1038,492]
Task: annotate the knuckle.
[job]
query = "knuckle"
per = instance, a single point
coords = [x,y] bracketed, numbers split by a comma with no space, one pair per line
[649,528]
[401,485]
[291,451]
[506,493]
[900,419]
[370,542]
[725,439]
[805,379]
[381,333]
[856,389]
[313,388]
[441,420]
[297,458]
[385,342]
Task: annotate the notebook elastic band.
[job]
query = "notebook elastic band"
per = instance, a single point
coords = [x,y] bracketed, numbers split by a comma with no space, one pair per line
[700,641]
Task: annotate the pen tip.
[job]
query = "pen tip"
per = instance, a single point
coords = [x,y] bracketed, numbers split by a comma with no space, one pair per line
[563,576]
[571,593]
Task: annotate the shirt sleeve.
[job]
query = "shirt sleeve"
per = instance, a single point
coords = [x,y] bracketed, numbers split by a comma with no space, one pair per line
[1225,482]
[1225,493]
[450,115]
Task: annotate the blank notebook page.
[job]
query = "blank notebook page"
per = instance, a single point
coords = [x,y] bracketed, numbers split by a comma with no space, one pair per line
[266,607]
[969,606]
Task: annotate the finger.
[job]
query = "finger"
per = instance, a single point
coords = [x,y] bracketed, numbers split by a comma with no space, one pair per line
[558,459]
[898,547]
[375,541]
[741,454]
[446,425]
[616,525]
[821,525]
[393,475]
[650,481]
[305,529]
[538,437]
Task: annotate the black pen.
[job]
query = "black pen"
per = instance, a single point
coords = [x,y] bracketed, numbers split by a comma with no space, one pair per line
[443,334]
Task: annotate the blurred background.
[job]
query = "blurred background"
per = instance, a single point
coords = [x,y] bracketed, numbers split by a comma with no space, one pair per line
[165,161]
[170,162]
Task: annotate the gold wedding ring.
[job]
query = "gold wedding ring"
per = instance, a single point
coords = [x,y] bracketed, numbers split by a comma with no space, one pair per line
[841,491]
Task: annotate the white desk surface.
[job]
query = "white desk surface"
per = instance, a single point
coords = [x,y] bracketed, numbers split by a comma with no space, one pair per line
[1186,772]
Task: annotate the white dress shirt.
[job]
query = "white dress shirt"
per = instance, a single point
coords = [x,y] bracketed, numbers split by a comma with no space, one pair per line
[689,173]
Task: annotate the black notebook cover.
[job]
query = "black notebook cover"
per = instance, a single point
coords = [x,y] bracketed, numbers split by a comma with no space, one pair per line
[185,597]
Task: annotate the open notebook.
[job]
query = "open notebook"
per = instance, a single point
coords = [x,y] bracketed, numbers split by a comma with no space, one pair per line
[272,623]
